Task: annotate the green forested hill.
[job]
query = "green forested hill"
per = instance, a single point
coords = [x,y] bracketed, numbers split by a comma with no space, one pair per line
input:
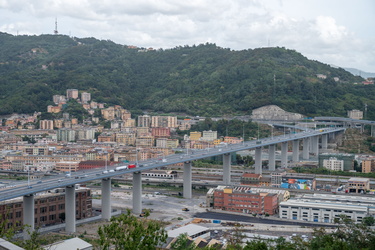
[201,80]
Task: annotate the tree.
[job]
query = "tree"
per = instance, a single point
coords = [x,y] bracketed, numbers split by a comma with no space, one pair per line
[368,221]
[182,243]
[127,232]
[348,235]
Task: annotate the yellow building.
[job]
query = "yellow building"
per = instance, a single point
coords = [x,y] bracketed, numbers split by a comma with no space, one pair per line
[144,141]
[195,136]
[368,166]
[66,166]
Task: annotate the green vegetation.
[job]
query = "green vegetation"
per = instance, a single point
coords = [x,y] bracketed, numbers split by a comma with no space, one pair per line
[203,79]
[128,232]
[347,235]
[326,171]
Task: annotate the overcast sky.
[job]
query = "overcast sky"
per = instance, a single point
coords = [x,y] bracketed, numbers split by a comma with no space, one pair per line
[338,32]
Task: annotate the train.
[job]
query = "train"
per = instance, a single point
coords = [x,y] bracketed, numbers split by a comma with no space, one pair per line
[158,175]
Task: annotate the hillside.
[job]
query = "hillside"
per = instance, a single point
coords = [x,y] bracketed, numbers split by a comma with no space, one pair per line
[201,80]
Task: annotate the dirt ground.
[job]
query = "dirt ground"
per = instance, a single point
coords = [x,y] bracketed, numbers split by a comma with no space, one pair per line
[164,208]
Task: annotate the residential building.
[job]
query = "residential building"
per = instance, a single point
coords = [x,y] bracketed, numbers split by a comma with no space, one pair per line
[37,159]
[164,121]
[195,136]
[325,207]
[129,123]
[46,124]
[115,112]
[333,164]
[368,165]
[144,141]
[347,158]
[143,131]
[355,114]
[85,97]
[144,121]
[209,135]
[276,178]
[250,179]
[184,125]
[161,142]
[35,149]
[172,143]
[53,109]
[71,93]
[58,99]
[66,134]
[85,165]
[66,166]
[58,123]
[161,132]
[232,140]
[86,133]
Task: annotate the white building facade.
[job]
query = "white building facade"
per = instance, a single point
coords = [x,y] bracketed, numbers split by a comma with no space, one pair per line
[325,208]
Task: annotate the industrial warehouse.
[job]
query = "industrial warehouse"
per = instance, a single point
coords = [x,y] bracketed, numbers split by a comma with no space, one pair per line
[326,207]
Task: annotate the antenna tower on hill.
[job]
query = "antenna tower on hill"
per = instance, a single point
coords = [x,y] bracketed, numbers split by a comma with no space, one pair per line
[55,31]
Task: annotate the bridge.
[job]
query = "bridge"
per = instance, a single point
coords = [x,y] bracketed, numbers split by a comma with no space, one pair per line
[348,122]
[310,145]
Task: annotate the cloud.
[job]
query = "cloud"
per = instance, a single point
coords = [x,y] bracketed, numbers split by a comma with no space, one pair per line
[237,24]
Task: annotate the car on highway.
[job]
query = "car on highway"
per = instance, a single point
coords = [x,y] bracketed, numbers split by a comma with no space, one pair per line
[185,209]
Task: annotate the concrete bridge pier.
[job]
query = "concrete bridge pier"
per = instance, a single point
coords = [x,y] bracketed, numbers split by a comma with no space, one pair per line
[295,151]
[315,145]
[284,154]
[28,215]
[137,192]
[271,158]
[306,148]
[70,209]
[324,142]
[106,199]
[258,160]
[226,169]
[187,189]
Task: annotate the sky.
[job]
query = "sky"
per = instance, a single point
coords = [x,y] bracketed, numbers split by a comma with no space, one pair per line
[336,32]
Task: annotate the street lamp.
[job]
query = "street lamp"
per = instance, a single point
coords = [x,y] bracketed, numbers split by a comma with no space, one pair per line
[243,133]
[136,156]
[28,176]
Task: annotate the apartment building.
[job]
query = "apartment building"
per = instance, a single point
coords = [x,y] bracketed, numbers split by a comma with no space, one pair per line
[85,97]
[72,93]
[164,121]
[160,132]
[195,136]
[144,121]
[209,135]
[333,164]
[46,124]
[368,165]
